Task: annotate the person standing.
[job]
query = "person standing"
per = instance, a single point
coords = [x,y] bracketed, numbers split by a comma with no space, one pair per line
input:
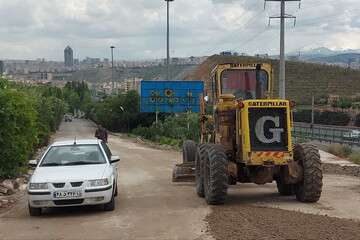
[101,133]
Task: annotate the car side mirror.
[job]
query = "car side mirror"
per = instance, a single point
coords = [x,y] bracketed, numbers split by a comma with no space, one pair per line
[114,159]
[33,163]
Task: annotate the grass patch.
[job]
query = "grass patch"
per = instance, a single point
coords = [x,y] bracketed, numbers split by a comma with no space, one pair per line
[339,150]
[344,151]
[355,157]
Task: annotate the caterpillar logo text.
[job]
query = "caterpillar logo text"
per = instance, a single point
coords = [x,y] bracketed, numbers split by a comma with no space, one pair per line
[267,104]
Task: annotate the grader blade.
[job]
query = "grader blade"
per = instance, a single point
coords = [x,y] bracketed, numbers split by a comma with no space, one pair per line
[184,172]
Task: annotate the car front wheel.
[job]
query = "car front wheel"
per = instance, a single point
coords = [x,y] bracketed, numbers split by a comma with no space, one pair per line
[116,191]
[34,211]
[110,206]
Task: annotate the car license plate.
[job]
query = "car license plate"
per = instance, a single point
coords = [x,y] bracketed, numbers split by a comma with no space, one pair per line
[67,194]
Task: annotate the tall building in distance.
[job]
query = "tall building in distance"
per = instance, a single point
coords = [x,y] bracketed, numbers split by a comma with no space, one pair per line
[2,67]
[69,57]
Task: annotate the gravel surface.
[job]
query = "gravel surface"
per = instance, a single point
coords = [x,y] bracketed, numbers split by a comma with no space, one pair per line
[249,222]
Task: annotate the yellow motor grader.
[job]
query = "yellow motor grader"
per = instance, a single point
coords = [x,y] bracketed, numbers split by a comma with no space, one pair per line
[246,138]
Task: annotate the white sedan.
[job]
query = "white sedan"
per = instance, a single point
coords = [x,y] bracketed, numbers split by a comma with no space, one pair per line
[73,173]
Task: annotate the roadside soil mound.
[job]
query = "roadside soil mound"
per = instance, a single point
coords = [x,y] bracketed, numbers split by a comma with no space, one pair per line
[249,222]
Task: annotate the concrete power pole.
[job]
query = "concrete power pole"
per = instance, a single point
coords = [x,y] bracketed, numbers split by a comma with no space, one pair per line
[168,40]
[282,17]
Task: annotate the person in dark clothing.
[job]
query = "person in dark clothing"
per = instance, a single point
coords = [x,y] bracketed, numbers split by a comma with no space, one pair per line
[101,133]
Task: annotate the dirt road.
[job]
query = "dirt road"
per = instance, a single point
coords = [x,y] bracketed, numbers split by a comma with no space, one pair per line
[149,206]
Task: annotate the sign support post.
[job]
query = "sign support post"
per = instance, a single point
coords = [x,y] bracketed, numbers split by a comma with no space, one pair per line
[156,117]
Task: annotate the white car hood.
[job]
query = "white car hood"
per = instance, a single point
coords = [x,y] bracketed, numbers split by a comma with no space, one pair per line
[69,173]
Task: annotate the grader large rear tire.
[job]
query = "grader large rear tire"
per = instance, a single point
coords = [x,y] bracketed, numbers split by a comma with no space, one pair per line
[189,151]
[310,188]
[215,175]
[201,155]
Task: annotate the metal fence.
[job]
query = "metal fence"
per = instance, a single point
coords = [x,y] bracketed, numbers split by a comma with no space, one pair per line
[325,133]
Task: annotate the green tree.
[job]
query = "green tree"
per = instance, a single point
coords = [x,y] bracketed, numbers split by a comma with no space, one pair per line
[28,115]
[345,103]
[18,131]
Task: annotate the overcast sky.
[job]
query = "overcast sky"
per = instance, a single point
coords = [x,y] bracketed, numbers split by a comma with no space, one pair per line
[42,28]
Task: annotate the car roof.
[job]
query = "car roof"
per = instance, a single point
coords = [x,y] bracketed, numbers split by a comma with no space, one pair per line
[77,141]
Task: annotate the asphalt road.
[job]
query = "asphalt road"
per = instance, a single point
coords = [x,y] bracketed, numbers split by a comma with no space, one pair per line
[149,206]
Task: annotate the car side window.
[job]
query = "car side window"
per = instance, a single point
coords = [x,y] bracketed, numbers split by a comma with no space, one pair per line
[107,150]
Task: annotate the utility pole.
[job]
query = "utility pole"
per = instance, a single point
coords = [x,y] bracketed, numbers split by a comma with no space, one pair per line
[282,17]
[112,70]
[312,110]
[168,40]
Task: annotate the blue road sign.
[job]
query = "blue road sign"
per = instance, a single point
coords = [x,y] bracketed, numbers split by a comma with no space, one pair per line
[171,96]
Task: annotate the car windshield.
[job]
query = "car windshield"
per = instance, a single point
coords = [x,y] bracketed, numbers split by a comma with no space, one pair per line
[244,84]
[73,155]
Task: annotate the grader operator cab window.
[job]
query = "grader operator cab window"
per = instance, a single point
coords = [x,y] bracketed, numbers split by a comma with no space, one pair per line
[245,84]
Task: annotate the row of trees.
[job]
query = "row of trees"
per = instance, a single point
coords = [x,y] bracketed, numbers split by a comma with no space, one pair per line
[326,117]
[28,115]
[120,112]
[78,96]
[172,130]
[344,102]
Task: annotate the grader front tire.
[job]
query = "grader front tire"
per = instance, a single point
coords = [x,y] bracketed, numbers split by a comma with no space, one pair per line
[310,188]
[215,175]
[201,155]
[189,151]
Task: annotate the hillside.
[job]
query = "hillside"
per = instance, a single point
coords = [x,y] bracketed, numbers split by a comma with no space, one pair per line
[321,52]
[121,74]
[340,58]
[303,79]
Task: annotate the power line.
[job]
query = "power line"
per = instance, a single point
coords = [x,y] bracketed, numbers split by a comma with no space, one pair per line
[282,17]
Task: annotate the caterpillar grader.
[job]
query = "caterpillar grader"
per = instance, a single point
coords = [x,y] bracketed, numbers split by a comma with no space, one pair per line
[246,138]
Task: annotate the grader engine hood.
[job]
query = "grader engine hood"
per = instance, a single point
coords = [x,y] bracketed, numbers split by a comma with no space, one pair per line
[266,132]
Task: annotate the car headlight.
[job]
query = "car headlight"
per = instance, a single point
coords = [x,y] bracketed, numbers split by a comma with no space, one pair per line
[38,186]
[98,182]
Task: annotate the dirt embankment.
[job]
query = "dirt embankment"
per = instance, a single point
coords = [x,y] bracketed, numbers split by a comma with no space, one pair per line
[249,223]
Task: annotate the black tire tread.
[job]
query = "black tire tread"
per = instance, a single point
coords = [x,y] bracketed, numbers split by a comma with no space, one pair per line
[110,206]
[189,151]
[217,184]
[309,190]
[199,176]
[34,211]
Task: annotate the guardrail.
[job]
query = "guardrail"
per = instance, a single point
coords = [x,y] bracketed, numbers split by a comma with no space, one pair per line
[325,133]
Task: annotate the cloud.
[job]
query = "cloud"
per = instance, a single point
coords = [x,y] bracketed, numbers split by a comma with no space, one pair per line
[42,28]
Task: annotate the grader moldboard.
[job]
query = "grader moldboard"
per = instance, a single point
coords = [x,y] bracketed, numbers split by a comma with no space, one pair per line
[247,139]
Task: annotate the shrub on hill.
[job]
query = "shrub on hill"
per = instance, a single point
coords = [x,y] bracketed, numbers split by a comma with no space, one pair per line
[326,118]
[173,130]
[121,113]
[334,118]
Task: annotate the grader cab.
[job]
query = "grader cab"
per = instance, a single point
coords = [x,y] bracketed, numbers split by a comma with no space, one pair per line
[247,139]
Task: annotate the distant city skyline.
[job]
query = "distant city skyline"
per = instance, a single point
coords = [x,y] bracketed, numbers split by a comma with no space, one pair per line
[41,29]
